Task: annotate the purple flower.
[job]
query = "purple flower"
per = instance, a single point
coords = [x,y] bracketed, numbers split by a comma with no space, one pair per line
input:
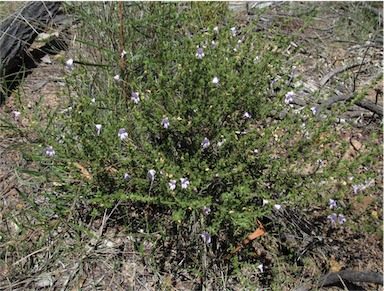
[288,97]
[206,210]
[355,188]
[200,53]
[184,183]
[117,78]
[206,237]
[332,218]
[220,143]
[69,65]
[122,133]
[15,114]
[233,29]
[151,174]
[165,122]
[49,151]
[98,128]
[127,177]
[213,44]
[135,97]
[247,115]
[332,203]
[261,268]
[341,219]
[215,82]
[172,185]
[205,144]
[313,109]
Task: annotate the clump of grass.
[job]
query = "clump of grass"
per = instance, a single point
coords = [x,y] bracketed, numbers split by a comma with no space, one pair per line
[181,145]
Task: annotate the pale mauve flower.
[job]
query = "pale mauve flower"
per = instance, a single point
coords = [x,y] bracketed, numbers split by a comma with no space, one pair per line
[69,65]
[165,122]
[184,183]
[261,268]
[206,210]
[215,82]
[117,78]
[151,174]
[49,151]
[122,133]
[15,114]
[277,206]
[332,218]
[206,237]
[98,128]
[288,97]
[341,219]
[200,53]
[172,185]
[233,29]
[205,143]
[220,143]
[332,203]
[135,97]
[247,115]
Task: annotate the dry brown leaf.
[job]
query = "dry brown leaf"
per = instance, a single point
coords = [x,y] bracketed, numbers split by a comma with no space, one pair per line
[375,214]
[259,232]
[359,206]
[111,170]
[83,170]
[335,266]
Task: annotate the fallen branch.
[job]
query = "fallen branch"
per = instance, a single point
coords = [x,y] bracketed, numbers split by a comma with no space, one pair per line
[351,276]
[340,69]
[341,277]
[366,104]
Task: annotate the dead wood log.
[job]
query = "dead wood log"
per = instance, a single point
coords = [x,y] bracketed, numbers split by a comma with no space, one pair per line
[365,103]
[351,276]
[17,34]
[344,277]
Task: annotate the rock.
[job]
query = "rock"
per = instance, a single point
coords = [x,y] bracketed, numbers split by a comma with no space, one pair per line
[356,144]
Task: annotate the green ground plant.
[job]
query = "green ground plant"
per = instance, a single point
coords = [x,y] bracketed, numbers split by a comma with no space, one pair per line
[182,140]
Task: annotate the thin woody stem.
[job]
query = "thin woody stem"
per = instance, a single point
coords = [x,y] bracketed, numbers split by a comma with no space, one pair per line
[122,48]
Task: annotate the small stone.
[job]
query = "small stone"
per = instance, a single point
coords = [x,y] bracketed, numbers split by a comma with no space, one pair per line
[356,144]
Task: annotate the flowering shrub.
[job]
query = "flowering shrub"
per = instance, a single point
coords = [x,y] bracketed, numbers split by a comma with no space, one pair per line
[193,121]
[193,133]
